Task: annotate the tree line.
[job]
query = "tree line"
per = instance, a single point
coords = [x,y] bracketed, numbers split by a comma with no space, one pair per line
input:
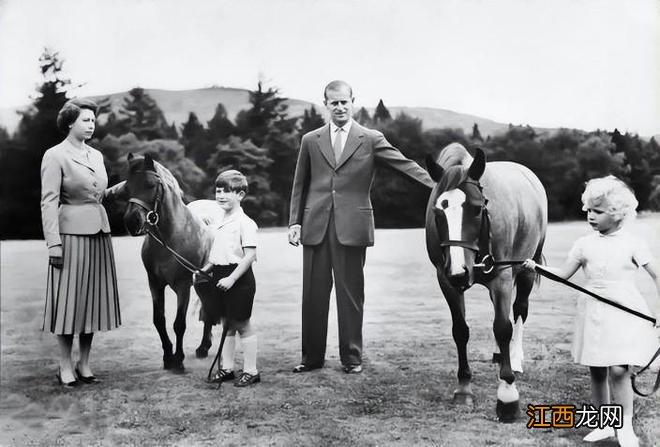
[263,142]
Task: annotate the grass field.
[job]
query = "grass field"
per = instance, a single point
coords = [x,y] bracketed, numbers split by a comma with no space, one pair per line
[404,396]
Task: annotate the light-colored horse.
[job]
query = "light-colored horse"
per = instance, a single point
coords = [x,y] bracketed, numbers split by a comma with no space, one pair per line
[478,209]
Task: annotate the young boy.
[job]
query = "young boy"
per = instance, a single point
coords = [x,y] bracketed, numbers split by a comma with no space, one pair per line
[231,292]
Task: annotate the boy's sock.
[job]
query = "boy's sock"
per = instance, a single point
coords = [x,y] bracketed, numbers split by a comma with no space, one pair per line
[228,353]
[250,354]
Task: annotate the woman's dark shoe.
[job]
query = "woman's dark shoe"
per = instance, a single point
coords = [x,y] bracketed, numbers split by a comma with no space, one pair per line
[222,375]
[85,379]
[247,379]
[67,384]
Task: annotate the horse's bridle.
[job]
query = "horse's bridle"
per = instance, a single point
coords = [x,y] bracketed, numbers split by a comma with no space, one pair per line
[152,220]
[480,246]
[152,217]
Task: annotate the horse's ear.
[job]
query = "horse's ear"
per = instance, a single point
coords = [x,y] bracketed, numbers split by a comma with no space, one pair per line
[478,165]
[149,162]
[434,169]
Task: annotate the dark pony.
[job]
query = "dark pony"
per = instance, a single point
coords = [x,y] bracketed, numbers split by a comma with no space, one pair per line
[156,206]
[479,212]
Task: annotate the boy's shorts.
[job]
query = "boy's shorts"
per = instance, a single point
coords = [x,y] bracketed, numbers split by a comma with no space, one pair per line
[234,304]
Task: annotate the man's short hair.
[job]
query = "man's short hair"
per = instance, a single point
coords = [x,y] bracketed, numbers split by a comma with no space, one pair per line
[70,112]
[336,85]
[232,180]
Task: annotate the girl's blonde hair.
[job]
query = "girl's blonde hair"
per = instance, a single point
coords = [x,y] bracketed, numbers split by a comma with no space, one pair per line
[619,198]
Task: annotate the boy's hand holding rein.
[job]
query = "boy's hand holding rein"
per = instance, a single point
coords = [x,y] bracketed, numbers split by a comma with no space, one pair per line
[226,283]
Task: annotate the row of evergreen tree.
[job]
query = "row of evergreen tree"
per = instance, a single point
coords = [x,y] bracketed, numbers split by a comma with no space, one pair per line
[263,143]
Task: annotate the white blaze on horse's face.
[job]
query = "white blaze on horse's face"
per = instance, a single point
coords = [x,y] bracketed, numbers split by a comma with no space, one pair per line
[451,203]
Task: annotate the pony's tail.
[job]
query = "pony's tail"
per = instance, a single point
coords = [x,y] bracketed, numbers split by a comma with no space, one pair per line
[539,259]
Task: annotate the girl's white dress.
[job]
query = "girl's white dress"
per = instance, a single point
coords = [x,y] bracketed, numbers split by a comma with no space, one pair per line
[605,335]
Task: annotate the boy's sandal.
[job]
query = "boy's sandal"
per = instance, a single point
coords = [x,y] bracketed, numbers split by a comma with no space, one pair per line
[247,379]
[222,375]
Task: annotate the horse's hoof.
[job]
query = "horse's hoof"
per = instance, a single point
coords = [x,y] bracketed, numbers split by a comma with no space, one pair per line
[178,369]
[463,398]
[201,352]
[167,361]
[507,412]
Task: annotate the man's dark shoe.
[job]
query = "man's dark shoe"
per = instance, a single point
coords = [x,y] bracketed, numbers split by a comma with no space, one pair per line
[305,368]
[247,379]
[353,369]
[222,375]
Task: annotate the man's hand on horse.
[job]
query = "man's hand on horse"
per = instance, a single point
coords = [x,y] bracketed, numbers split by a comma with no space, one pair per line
[226,283]
[294,235]
[529,264]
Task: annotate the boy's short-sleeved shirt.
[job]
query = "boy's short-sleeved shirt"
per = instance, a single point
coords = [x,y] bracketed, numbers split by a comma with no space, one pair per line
[232,235]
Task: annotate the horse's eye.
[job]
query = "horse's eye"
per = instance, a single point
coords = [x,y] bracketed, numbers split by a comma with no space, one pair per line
[444,204]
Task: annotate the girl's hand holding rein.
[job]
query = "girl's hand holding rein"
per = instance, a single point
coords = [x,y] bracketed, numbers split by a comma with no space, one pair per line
[529,264]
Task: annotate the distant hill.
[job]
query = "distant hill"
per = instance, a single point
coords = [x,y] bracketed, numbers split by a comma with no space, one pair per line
[176,106]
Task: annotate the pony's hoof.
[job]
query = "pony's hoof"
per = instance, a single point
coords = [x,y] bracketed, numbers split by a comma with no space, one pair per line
[202,352]
[178,369]
[168,361]
[507,412]
[463,398]
[176,364]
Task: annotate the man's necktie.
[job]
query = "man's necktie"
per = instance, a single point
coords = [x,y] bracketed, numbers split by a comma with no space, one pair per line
[337,145]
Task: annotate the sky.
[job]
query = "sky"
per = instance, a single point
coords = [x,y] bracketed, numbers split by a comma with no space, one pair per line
[586,64]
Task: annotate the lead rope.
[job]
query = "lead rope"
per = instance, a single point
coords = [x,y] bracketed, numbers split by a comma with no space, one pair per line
[488,263]
[192,268]
[217,356]
[633,375]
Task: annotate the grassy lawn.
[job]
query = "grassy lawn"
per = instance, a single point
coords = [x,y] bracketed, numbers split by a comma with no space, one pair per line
[404,396]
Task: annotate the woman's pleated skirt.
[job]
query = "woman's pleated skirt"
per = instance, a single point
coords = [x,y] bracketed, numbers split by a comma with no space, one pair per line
[82,297]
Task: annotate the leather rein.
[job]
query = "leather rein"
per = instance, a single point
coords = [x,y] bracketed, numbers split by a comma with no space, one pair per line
[153,218]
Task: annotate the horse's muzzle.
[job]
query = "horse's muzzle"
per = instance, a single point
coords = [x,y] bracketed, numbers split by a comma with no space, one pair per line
[134,222]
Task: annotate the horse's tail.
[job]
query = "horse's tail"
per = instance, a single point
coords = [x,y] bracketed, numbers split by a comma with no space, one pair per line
[539,259]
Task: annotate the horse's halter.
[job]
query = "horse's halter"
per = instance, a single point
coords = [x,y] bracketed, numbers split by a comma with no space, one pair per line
[480,245]
[152,217]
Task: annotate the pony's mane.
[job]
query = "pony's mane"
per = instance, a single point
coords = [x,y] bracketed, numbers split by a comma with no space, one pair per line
[168,179]
[454,154]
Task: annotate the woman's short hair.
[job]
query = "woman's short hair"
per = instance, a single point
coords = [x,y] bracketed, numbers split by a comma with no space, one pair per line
[232,180]
[71,110]
[618,197]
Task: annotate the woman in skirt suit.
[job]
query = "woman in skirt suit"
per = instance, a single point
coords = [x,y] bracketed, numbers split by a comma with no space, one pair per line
[81,292]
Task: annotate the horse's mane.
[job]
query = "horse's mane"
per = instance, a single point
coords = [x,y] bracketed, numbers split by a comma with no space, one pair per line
[452,177]
[168,179]
[454,154]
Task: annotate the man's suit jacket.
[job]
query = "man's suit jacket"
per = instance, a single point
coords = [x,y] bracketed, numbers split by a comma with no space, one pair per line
[72,188]
[322,187]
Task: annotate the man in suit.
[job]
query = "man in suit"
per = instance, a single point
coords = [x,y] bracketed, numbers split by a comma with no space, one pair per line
[331,215]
